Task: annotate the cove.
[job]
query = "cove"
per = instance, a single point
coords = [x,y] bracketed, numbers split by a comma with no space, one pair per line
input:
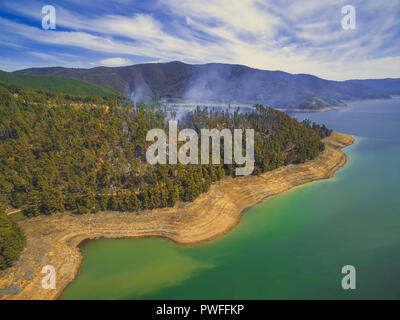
[292,246]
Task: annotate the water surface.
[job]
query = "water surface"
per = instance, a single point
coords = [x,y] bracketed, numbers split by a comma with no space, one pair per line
[292,246]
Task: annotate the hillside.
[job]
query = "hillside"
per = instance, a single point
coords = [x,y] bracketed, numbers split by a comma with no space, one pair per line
[12,240]
[221,83]
[56,157]
[387,86]
[58,85]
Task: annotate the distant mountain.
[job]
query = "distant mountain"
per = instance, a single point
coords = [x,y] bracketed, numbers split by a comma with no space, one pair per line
[225,83]
[59,85]
[387,86]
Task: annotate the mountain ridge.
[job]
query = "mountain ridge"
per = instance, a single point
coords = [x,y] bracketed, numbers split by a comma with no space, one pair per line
[225,83]
[58,85]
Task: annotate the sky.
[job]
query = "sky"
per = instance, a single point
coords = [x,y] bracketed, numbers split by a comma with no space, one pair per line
[302,36]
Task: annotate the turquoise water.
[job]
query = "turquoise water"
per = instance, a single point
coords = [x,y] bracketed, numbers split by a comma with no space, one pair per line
[292,246]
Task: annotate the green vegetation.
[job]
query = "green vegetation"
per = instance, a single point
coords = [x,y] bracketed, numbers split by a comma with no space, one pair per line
[59,85]
[318,103]
[12,240]
[322,131]
[279,139]
[60,152]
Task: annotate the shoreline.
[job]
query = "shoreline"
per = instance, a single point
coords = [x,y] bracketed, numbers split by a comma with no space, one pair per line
[192,106]
[306,110]
[55,240]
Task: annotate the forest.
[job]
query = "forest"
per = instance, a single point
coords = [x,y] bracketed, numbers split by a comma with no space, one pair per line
[58,85]
[60,152]
[12,240]
[82,154]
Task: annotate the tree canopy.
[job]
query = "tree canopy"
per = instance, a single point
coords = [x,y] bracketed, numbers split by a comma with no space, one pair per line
[12,240]
[83,154]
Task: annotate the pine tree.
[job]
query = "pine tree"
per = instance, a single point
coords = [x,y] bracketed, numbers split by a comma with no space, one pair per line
[34,203]
[12,240]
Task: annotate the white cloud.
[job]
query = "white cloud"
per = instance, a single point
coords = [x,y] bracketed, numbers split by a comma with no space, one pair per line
[115,62]
[293,36]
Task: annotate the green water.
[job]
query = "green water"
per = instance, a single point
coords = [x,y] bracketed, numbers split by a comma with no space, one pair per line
[292,246]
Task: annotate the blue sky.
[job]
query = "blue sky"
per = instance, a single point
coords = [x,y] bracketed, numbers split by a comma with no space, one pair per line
[293,36]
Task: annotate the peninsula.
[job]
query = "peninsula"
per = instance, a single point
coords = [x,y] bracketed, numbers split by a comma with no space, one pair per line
[54,240]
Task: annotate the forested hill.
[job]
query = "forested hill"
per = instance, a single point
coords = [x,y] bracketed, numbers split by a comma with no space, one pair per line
[59,85]
[225,83]
[60,153]
[12,240]
[387,86]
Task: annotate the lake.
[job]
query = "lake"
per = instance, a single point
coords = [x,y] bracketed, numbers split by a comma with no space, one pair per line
[292,246]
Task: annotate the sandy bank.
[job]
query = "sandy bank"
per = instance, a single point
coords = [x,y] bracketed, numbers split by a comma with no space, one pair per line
[54,240]
[313,110]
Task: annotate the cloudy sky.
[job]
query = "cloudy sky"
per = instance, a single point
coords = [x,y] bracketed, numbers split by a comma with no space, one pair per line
[302,36]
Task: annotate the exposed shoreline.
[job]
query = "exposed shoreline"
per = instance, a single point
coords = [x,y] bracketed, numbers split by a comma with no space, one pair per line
[192,106]
[305,110]
[54,240]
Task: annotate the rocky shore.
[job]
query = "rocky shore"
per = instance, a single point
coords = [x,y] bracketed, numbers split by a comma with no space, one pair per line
[54,240]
